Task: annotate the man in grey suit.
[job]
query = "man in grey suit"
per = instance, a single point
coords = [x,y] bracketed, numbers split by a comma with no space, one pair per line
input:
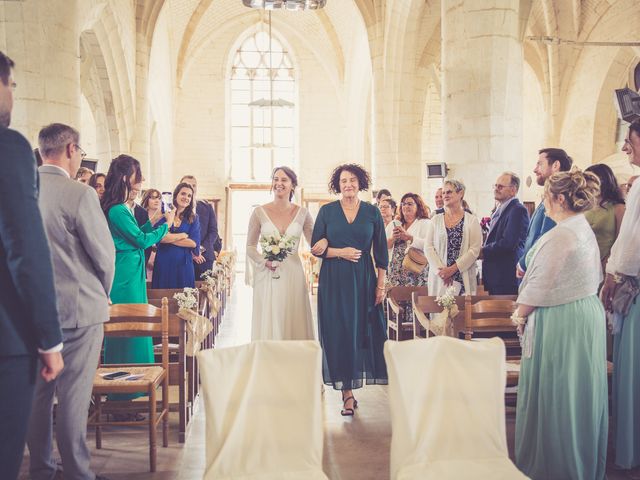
[29,325]
[83,257]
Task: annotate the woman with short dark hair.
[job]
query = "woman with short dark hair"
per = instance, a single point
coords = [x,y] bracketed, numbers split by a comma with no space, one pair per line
[350,291]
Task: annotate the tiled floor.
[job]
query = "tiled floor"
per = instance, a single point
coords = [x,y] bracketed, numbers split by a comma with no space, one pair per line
[355,448]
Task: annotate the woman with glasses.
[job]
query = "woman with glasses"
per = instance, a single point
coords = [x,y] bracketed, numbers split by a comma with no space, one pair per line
[387,208]
[452,244]
[409,231]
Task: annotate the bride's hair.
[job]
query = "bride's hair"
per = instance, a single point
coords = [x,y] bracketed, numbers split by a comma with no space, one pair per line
[292,176]
[580,189]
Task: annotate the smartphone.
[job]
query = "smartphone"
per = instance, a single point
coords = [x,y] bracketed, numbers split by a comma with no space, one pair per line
[114,375]
[397,223]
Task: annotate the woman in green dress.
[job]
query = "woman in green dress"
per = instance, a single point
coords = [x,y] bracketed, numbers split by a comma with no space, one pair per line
[351,325]
[129,284]
[562,412]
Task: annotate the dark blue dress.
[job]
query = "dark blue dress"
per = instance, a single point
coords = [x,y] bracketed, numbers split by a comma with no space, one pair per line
[173,267]
[352,328]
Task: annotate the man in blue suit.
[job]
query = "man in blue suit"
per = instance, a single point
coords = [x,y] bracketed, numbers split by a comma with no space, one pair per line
[29,325]
[506,237]
[550,161]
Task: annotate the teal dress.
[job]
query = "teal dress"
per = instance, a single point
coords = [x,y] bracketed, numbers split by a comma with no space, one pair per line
[626,390]
[130,283]
[351,328]
[562,411]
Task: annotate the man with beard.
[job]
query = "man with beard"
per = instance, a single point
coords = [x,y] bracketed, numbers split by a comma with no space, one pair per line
[550,161]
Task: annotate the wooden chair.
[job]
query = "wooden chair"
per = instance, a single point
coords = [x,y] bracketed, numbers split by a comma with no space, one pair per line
[139,320]
[399,312]
[423,306]
[490,315]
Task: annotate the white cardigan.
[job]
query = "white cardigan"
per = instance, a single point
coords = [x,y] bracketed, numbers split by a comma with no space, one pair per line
[418,230]
[435,249]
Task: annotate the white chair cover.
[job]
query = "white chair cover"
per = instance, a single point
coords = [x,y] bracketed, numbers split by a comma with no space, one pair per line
[447,410]
[263,411]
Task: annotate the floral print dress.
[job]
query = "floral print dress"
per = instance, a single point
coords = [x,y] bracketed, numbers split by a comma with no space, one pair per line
[454,244]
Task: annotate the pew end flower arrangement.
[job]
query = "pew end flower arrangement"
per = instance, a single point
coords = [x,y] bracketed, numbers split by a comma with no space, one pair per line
[442,323]
[197,326]
[275,248]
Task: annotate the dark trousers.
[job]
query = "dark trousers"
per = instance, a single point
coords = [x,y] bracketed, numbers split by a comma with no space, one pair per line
[200,269]
[17,381]
[502,289]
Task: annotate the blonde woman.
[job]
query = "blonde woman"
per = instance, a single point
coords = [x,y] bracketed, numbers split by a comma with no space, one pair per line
[452,244]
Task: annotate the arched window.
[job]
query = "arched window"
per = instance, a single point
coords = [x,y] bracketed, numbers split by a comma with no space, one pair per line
[262,108]
[636,77]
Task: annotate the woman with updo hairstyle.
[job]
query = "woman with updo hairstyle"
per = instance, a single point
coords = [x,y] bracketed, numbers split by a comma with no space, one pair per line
[350,290]
[562,410]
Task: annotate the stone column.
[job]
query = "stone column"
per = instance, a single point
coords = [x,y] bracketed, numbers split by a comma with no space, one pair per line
[482,59]
[41,37]
[140,143]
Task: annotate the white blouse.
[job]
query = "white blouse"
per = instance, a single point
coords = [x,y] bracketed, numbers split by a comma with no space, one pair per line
[625,252]
[418,230]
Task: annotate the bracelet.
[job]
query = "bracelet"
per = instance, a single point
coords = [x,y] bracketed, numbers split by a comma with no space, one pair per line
[617,278]
[517,319]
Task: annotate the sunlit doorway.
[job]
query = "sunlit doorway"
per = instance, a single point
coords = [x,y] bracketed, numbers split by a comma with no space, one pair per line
[242,199]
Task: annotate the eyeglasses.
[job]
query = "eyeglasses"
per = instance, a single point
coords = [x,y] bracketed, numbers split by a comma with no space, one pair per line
[13,86]
[408,204]
[154,197]
[499,187]
[447,192]
[83,154]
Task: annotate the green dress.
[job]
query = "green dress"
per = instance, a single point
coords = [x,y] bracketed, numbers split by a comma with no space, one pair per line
[352,329]
[562,411]
[129,284]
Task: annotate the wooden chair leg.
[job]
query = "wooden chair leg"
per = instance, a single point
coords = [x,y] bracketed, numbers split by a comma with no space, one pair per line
[152,429]
[97,399]
[165,409]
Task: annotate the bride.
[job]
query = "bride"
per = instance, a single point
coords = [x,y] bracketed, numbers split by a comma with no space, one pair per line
[281,309]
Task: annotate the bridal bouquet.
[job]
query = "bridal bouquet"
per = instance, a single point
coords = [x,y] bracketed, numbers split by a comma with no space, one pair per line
[441,322]
[275,248]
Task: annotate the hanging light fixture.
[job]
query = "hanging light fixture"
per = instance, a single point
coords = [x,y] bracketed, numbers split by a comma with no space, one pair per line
[270,102]
[286,4]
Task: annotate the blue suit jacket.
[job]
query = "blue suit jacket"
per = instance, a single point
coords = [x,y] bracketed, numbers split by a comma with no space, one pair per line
[28,315]
[540,224]
[502,249]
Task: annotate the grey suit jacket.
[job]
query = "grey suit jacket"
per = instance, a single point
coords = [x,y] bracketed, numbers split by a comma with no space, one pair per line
[82,248]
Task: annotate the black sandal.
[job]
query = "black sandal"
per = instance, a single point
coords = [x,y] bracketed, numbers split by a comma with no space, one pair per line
[348,412]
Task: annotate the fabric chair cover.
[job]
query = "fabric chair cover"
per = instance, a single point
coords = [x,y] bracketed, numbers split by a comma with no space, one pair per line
[447,410]
[263,411]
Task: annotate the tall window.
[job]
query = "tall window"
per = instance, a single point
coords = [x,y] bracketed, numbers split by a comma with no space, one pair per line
[262,108]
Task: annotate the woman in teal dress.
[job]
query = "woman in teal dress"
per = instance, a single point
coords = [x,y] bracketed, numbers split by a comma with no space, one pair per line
[562,411]
[624,262]
[129,284]
[351,325]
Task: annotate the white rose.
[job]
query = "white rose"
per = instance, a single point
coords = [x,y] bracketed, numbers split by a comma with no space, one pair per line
[281,245]
[275,250]
[268,248]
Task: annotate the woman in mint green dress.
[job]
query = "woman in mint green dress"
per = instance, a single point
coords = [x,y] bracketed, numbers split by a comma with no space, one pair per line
[129,284]
[624,262]
[562,411]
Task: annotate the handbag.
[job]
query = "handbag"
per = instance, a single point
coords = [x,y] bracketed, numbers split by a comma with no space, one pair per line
[414,260]
[625,295]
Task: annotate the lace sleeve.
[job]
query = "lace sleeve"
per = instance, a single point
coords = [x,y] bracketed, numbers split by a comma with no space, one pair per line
[255,261]
[307,227]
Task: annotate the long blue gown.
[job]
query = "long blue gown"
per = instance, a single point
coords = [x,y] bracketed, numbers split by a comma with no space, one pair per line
[173,267]
[352,330]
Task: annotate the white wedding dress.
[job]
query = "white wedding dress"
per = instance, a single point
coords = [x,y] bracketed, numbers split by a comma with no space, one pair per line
[281,308]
